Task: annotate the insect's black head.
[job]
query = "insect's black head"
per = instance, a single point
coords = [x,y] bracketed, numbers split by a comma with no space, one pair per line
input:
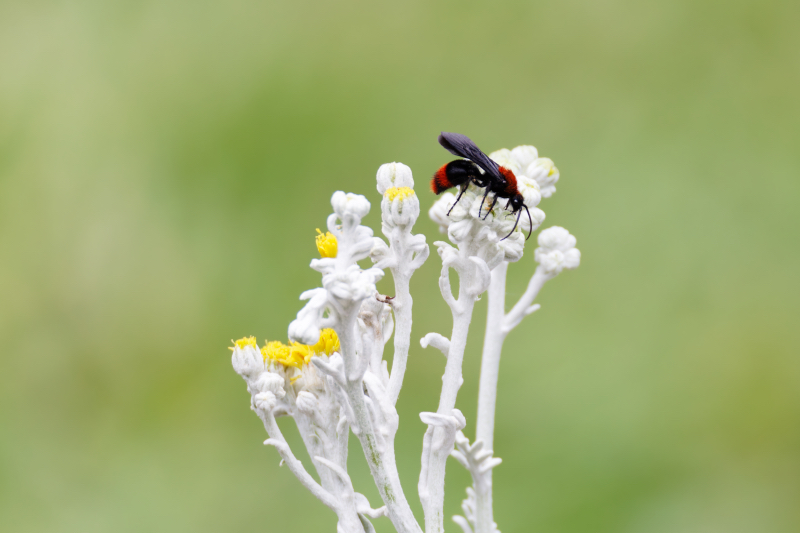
[516,203]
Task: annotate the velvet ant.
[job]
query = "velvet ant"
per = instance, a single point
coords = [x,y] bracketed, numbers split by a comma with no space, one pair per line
[498,180]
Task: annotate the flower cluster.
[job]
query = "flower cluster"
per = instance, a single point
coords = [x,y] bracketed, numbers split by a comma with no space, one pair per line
[489,232]
[280,375]
[557,250]
[331,376]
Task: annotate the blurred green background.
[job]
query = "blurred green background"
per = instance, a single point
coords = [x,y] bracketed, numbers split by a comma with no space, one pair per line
[163,166]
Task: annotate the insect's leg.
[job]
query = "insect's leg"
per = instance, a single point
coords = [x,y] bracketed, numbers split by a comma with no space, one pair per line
[515,226]
[530,230]
[463,190]
[484,199]
[490,208]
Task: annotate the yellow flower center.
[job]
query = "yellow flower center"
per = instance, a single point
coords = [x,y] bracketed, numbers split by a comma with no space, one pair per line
[326,244]
[296,354]
[398,192]
[244,342]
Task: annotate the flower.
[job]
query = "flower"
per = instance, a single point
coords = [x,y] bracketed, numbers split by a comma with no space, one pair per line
[296,354]
[399,207]
[328,343]
[246,360]
[495,232]
[326,244]
[395,175]
[265,401]
[557,250]
[524,155]
[306,402]
[347,205]
[270,382]
[546,175]
[489,233]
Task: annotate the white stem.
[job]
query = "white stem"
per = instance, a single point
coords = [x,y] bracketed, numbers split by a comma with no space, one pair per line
[438,438]
[490,360]
[498,325]
[380,459]
[487,393]
[295,466]
[401,306]
[523,307]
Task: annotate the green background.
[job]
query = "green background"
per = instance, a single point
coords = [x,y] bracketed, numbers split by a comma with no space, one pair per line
[163,166]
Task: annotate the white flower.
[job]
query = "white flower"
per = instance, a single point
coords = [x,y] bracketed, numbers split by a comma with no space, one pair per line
[270,382]
[545,173]
[524,155]
[399,207]
[557,250]
[265,401]
[246,359]
[347,205]
[306,402]
[394,175]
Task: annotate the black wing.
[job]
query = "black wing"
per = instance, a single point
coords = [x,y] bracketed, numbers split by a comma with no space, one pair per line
[462,146]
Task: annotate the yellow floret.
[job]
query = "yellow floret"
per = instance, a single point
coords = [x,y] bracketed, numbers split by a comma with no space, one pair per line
[276,351]
[244,342]
[328,343]
[296,354]
[398,192]
[326,244]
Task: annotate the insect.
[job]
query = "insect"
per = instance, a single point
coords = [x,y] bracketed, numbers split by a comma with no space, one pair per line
[460,173]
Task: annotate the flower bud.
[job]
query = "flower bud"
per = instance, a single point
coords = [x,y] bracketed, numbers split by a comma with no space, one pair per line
[399,207]
[347,205]
[394,175]
[265,401]
[306,402]
[270,382]
[524,155]
[246,359]
[546,175]
[557,250]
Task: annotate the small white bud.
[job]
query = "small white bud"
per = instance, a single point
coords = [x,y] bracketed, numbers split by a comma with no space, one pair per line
[265,401]
[557,250]
[524,155]
[247,361]
[394,175]
[546,175]
[270,382]
[306,402]
[347,205]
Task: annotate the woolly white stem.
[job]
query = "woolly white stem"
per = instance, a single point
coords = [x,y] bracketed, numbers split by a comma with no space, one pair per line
[498,325]
[401,305]
[487,393]
[380,459]
[439,438]
[295,466]
[490,361]
[523,307]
